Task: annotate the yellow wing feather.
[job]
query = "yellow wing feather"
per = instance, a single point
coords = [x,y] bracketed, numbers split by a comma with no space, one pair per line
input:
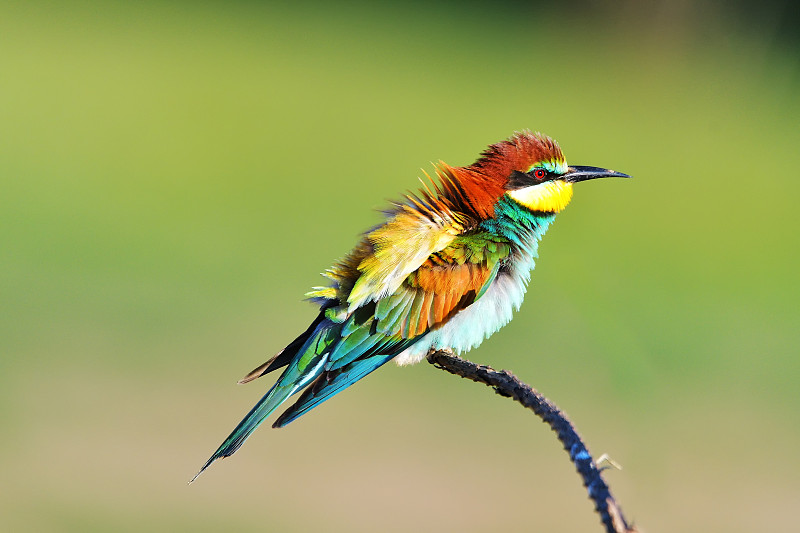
[401,246]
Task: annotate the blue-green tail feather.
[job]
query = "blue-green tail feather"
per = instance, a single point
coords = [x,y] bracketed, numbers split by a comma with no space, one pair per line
[254,418]
[338,376]
[285,356]
[308,363]
[330,357]
[329,384]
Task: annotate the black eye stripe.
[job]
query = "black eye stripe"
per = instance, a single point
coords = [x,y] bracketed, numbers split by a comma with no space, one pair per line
[520,180]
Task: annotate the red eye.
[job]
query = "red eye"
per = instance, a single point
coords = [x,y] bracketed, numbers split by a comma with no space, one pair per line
[539,173]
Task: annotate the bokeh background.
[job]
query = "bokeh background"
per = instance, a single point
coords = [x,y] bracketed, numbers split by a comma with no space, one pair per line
[174,175]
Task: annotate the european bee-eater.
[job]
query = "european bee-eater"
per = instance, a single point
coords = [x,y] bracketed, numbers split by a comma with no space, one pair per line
[445,270]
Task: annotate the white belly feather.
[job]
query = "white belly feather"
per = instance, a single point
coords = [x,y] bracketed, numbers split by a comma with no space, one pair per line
[470,326]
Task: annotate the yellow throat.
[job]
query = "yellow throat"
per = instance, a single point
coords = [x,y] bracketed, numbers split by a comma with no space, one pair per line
[550,196]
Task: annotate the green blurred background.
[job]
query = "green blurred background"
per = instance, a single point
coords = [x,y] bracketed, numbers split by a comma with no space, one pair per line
[174,176]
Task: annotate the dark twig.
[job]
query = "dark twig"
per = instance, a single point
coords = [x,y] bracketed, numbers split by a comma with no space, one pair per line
[508,385]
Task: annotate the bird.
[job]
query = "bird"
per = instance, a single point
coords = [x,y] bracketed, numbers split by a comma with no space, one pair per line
[445,269]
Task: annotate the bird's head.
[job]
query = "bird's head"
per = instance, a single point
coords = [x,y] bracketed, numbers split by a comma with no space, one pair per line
[530,169]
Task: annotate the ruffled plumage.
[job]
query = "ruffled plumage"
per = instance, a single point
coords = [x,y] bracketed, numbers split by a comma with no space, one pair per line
[446,269]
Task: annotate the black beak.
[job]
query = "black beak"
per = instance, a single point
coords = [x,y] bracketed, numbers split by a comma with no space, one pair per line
[577,173]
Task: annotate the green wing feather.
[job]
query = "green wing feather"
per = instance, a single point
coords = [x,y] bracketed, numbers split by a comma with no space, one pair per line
[449,281]
[405,278]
